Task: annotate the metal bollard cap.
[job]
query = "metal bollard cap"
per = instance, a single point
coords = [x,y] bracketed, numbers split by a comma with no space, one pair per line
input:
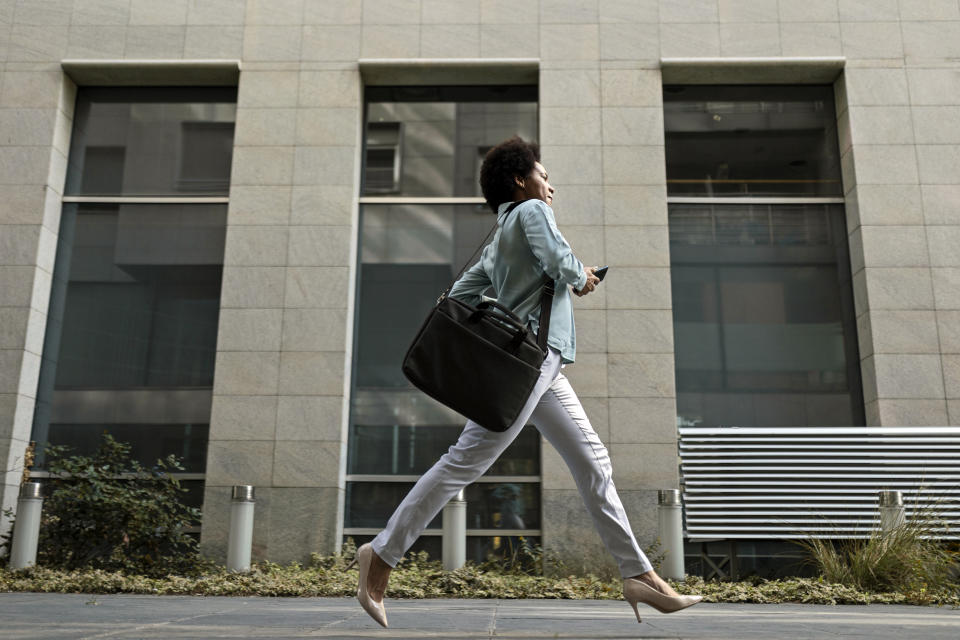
[243,493]
[668,496]
[891,498]
[30,490]
[459,497]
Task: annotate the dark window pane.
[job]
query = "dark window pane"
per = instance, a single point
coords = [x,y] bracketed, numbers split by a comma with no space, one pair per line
[430,141]
[142,290]
[479,548]
[508,505]
[763,316]
[152,141]
[770,559]
[205,156]
[132,325]
[423,141]
[149,442]
[194,494]
[503,548]
[751,140]
[106,174]
[489,505]
[369,504]
[409,254]
[405,450]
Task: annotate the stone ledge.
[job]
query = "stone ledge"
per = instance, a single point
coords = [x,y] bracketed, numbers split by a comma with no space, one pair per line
[778,70]
[448,71]
[152,72]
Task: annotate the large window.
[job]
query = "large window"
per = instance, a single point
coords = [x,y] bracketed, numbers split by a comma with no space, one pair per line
[764,324]
[421,218]
[132,326]
[751,141]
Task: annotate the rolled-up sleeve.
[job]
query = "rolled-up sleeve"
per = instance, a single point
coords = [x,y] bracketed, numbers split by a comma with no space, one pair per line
[550,247]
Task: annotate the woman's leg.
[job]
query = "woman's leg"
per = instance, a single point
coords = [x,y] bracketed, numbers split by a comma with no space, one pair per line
[475,451]
[561,419]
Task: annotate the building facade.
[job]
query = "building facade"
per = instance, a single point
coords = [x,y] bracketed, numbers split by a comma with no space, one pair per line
[222,220]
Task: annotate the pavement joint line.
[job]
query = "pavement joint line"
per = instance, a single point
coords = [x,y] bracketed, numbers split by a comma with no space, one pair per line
[660,629]
[165,623]
[340,621]
[492,627]
[142,617]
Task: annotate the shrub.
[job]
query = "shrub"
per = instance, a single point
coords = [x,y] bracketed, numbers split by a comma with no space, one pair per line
[416,578]
[908,558]
[107,511]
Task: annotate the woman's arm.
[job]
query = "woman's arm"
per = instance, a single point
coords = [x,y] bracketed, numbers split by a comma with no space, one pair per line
[469,287]
[550,247]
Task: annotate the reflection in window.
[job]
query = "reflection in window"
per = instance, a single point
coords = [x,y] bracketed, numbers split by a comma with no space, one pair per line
[142,295]
[205,155]
[392,449]
[763,316]
[131,332]
[479,548]
[407,258]
[442,128]
[383,158]
[426,141]
[152,141]
[751,141]
[109,177]
[490,505]
[148,443]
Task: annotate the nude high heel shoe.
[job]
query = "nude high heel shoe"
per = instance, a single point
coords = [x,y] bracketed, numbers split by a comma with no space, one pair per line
[635,591]
[375,609]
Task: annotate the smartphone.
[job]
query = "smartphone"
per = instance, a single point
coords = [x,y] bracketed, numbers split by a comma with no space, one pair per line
[602,271]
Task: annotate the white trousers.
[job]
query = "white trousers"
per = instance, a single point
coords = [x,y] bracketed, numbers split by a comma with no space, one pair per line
[555,410]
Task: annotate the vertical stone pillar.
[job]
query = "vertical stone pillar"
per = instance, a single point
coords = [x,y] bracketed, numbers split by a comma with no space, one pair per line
[282,352]
[246,378]
[891,248]
[935,112]
[315,357]
[602,138]
[37,112]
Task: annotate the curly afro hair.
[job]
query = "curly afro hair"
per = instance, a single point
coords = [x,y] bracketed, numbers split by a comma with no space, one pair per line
[510,158]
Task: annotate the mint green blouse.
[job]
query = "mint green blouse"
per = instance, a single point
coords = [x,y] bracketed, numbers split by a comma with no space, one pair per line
[526,244]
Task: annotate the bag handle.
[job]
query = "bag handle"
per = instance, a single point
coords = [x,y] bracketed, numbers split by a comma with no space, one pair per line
[510,315]
[546,298]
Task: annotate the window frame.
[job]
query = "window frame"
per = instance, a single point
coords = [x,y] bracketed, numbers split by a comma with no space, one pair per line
[384,198]
[759,200]
[66,200]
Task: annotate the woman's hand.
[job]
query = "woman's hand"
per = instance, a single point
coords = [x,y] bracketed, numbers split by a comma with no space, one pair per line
[592,282]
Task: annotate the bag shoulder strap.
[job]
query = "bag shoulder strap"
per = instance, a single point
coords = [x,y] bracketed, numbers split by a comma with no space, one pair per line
[546,297]
[546,306]
[483,243]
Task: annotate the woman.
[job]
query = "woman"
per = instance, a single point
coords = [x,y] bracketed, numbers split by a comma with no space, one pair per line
[527,244]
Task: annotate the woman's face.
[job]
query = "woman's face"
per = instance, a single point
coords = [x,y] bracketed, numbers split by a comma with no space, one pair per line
[536,185]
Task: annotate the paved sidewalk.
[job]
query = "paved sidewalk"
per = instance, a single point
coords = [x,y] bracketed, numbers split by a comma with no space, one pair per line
[40,616]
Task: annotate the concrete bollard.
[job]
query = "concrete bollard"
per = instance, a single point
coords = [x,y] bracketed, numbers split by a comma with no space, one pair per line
[892,514]
[670,526]
[23,550]
[455,533]
[241,528]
